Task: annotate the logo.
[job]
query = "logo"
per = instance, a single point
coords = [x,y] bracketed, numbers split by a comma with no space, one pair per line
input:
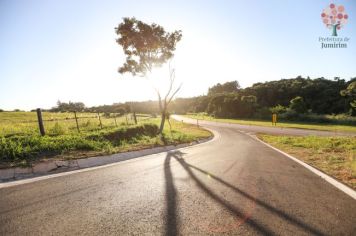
[334,17]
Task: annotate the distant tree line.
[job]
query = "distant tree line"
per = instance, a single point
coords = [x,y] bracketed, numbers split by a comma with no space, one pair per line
[147,107]
[290,98]
[70,106]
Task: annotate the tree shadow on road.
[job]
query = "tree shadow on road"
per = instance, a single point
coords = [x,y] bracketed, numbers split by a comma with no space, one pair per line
[171,218]
[171,215]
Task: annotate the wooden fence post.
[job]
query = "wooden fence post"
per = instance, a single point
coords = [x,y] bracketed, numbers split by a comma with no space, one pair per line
[40,122]
[76,121]
[101,125]
[115,121]
[135,119]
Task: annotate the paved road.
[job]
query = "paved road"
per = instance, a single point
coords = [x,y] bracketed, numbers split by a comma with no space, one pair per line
[266,130]
[232,185]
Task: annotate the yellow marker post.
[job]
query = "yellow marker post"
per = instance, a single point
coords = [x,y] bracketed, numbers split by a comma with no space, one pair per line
[274,119]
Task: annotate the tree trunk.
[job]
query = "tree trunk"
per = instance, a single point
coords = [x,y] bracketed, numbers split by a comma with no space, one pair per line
[335,30]
[163,119]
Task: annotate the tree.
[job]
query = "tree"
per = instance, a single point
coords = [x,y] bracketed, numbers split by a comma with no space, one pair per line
[120,110]
[334,17]
[279,109]
[350,92]
[248,105]
[297,104]
[147,46]
[70,106]
[228,87]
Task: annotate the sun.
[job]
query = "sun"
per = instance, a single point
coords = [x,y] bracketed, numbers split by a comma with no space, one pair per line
[160,78]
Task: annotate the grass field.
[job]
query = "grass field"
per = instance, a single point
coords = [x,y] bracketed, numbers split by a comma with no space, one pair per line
[22,148]
[313,126]
[335,156]
[58,123]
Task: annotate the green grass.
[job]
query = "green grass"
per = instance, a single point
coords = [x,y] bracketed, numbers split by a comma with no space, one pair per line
[57,123]
[27,148]
[298,125]
[336,156]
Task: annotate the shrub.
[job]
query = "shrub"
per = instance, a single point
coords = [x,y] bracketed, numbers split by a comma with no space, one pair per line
[290,114]
[57,129]
[279,109]
[125,133]
[24,147]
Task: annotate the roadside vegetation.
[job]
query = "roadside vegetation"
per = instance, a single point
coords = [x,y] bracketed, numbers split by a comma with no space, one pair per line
[331,126]
[56,123]
[63,141]
[336,156]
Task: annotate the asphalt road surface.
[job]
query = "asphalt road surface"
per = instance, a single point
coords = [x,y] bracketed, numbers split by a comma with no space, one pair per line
[232,185]
[264,129]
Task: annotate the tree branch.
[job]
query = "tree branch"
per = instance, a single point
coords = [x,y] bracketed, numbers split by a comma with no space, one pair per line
[175,92]
[171,78]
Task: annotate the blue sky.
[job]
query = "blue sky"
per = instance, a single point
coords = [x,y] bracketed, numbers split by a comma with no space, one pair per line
[66,50]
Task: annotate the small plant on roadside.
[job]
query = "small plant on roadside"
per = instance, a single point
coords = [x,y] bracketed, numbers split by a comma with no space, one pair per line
[57,129]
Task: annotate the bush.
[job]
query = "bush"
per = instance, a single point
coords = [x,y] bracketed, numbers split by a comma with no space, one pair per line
[125,133]
[24,147]
[279,109]
[57,129]
[290,114]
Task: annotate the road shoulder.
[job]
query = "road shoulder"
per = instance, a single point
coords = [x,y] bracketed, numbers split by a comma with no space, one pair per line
[342,187]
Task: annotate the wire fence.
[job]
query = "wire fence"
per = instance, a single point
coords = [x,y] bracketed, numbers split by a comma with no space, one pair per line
[17,123]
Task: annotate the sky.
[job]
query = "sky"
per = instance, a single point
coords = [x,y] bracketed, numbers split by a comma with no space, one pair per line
[66,50]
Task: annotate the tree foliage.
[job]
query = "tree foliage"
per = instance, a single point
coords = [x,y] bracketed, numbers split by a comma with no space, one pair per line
[147,46]
[317,96]
[230,105]
[279,109]
[350,92]
[228,87]
[68,107]
[298,105]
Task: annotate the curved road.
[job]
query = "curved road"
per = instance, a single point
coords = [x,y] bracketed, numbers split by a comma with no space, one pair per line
[231,185]
[264,129]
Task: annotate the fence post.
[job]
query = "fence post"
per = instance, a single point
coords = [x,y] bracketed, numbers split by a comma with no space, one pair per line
[101,125]
[115,121]
[127,122]
[76,121]
[40,122]
[135,119]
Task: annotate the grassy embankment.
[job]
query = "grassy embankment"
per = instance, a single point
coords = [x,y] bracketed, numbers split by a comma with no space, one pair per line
[336,156]
[298,125]
[21,147]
